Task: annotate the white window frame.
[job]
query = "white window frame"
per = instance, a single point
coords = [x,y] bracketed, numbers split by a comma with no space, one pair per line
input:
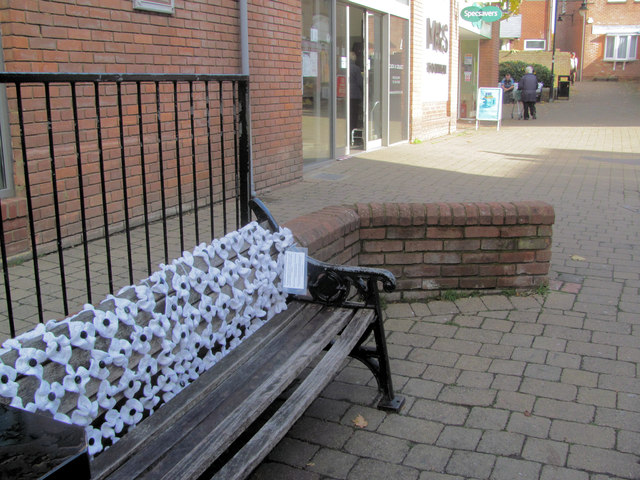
[6,157]
[544,44]
[6,152]
[629,55]
[158,6]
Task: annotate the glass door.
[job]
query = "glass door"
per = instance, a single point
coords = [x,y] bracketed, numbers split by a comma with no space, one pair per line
[316,80]
[356,77]
[373,80]
[468,78]
[398,80]
[341,125]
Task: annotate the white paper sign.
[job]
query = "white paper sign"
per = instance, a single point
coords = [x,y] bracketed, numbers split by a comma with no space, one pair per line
[295,271]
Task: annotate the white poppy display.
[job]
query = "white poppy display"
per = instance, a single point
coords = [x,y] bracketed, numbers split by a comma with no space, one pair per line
[145,344]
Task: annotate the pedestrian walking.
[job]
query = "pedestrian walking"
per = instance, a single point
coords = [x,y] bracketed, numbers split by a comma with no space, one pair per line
[573,60]
[528,85]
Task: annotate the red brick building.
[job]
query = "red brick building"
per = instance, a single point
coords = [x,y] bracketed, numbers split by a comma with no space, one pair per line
[602,33]
[198,37]
[303,106]
[611,32]
[164,36]
[537,26]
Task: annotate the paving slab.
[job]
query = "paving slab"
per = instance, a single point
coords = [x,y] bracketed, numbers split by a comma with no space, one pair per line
[503,386]
[497,386]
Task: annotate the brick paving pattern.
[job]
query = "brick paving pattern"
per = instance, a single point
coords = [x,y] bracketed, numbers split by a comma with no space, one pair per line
[498,387]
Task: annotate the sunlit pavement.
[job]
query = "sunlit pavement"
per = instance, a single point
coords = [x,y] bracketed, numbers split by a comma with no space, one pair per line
[500,387]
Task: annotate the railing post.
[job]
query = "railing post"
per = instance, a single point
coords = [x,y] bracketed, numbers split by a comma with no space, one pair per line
[244,152]
[110,171]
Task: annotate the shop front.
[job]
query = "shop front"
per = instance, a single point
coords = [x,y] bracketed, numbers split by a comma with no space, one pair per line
[471,34]
[355,76]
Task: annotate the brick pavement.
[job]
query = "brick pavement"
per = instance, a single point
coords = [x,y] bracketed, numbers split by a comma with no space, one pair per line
[500,387]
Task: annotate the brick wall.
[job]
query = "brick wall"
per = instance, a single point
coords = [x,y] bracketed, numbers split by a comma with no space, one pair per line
[535,22]
[569,30]
[488,53]
[92,36]
[200,37]
[431,248]
[536,25]
[604,13]
[111,36]
[433,121]
[14,218]
[331,234]
[276,101]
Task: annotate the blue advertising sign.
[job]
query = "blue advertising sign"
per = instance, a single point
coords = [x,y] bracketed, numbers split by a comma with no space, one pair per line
[489,105]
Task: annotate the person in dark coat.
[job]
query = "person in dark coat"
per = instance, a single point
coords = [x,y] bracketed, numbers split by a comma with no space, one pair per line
[355,93]
[528,85]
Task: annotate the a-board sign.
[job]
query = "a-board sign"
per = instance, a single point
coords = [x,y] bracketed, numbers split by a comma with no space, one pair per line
[489,105]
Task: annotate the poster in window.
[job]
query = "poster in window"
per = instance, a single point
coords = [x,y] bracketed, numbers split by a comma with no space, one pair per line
[309,64]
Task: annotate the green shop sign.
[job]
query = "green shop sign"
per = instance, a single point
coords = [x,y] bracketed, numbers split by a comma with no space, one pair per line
[476,14]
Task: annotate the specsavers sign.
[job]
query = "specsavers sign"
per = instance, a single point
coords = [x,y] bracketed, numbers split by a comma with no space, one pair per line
[478,14]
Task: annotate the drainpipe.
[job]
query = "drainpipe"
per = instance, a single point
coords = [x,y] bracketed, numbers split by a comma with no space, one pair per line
[244,37]
[244,59]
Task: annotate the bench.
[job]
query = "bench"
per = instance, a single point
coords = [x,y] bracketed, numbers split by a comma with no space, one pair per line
[183,375]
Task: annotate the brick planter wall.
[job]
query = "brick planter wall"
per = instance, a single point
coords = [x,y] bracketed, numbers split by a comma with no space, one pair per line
[435,247]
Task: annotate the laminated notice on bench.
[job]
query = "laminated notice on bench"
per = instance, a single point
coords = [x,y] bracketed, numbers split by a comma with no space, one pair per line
[295,271]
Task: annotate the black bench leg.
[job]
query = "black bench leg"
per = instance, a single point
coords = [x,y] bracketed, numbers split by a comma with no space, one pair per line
[376,358]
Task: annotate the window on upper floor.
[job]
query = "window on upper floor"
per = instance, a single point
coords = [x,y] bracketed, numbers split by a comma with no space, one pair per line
[159,6]
[6,157]
[534,44]
[621,48]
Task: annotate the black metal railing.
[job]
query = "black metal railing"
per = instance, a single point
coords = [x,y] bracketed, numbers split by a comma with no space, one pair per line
[119,172]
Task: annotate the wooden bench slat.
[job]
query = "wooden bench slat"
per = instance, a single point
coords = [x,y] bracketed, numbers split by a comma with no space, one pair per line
[197,392]
[222,427]
[256,449]
[180,321]
[210,424]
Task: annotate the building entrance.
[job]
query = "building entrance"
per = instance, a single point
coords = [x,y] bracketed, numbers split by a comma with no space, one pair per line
[468,82]
[359,79]
[346,91]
